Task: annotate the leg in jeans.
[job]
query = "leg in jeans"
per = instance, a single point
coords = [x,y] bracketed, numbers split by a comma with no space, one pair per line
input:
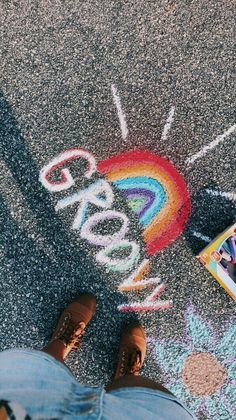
[70,329]
[130,380]
[131,356]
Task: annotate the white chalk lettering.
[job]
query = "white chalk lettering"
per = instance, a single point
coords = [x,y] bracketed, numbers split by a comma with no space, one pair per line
[151,303]
[119,264]
[99,194]
[104,240]
[135,280]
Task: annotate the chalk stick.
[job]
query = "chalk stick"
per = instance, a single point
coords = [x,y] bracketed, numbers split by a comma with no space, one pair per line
[225,255]
[232,246]
[226,247]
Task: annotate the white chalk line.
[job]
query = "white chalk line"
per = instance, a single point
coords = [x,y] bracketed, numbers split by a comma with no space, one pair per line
[211,145]
[168,123]
[121,114]
[199,235]
[228,195]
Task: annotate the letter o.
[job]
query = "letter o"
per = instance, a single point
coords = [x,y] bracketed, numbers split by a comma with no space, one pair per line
[104,240]
[119,264]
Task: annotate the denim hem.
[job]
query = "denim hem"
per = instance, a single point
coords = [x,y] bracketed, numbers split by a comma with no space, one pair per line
[149,391]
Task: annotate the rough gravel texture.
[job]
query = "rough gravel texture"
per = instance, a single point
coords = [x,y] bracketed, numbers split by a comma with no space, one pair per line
[58,61]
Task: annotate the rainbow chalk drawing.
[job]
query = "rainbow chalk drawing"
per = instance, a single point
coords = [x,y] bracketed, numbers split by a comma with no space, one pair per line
[155,192]
[201,369]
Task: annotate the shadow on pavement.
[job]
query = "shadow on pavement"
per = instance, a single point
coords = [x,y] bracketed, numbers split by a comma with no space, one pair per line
[50,283]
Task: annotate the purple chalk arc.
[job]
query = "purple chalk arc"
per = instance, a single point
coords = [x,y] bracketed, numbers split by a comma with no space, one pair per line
[139,193]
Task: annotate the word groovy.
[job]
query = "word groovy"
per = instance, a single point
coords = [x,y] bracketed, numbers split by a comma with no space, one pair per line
[100,194]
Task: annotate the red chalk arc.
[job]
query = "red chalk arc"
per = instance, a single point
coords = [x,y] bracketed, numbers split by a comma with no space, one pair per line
[156,192]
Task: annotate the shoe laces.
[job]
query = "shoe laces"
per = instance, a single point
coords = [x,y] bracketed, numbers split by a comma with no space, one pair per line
[131,362]
[71,333]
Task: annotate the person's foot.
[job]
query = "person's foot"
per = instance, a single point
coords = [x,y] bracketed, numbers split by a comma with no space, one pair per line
[72,323]
[132,351]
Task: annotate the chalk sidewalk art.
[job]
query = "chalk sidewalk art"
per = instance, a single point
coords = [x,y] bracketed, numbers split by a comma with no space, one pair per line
[155,192]
[201,369]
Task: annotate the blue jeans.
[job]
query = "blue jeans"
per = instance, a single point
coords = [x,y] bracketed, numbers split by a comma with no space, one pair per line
[46,389]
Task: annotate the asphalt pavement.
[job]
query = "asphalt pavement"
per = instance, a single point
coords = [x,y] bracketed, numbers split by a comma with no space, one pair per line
[66,69]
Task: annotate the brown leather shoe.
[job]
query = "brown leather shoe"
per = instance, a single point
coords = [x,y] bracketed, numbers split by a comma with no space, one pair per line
[73,320]
[132,351]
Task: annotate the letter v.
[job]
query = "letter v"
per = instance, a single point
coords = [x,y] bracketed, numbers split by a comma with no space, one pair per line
[151,303]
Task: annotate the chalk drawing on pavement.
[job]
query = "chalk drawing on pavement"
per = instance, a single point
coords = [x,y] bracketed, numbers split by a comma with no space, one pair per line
[108,239]
[219,139]
[154,190]
[120,112]
[119,264]
[135,280]
[214,193]
[227,195]
[201,369]
[66,180]
[150,303]
[168,124]
[199,235]
[99,194]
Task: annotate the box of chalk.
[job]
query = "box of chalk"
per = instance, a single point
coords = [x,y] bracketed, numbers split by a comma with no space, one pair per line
[219,257]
